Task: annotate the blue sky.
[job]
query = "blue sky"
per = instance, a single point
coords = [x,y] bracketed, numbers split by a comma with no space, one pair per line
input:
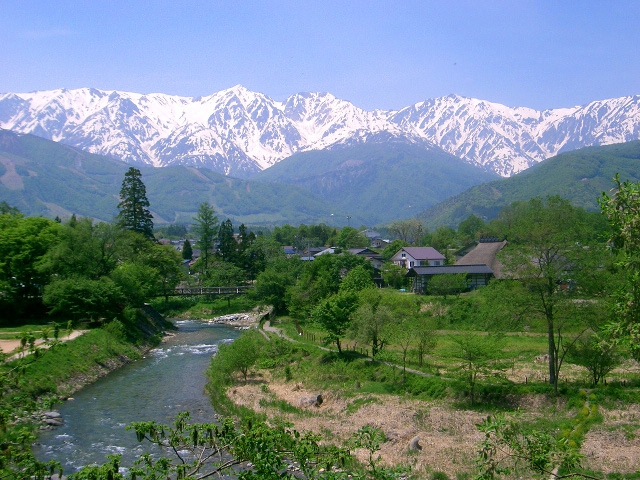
[376,54]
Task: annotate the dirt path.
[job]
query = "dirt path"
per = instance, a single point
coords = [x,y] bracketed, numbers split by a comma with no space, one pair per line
[13,346]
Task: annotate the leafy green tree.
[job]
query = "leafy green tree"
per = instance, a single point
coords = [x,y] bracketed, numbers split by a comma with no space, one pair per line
[469,228]
[405,338]
[372,323]
[165,261]
[409,231]
[187,251]
[321,233]
[350,237]
[241,354]
[250,450]
[425,336]
[622,209]
[16,459]
[285,234]
[599,356]
[261,252]
[138,280]
[206,228]
[543,255]
[357,279]
[134,207]
[5,208]
[271,285]
[442,240]
[508,448]
[83,298]
[86,249]
[245,239]
[24,243]
[448,284]
[322,277]
[227,244]
[224,274]
[394,275]
[333,315]
[478,355]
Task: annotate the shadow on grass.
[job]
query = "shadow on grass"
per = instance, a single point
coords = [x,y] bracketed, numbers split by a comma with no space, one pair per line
[346,356]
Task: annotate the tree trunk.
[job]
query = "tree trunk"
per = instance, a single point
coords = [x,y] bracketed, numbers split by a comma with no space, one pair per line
[552,356]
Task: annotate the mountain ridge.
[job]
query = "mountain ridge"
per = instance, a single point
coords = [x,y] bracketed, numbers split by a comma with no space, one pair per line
[238,132]
[580,176]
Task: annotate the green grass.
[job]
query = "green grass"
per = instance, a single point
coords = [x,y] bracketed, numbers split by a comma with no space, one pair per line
[42,373]
[284,407]
[34,325]
[355,405]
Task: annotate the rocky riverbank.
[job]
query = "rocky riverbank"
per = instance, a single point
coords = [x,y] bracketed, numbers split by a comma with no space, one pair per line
[242,320]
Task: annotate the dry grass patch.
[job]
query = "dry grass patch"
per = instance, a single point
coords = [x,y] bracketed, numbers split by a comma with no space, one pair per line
[614,446]
[448,437]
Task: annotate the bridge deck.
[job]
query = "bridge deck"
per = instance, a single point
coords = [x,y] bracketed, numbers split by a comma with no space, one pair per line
[189,291]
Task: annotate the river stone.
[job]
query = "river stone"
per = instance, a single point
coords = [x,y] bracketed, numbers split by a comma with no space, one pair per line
[54,422]
[314,401]
[414,444]
[51,414]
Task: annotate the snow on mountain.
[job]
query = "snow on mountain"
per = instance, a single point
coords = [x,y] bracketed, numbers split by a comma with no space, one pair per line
[238,132]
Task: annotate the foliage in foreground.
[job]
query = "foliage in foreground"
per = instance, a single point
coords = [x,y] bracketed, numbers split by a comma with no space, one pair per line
[508,449]
[252,451]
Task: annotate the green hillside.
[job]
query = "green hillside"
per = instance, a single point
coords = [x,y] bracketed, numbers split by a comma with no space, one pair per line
[579,176]
[44,178]
[370,183]
[379,181]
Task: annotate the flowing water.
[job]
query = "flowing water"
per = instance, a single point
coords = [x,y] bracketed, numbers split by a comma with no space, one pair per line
[169,380]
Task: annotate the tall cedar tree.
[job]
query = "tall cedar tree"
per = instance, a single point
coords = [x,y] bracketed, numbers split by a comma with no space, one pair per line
[134,206]
[206,228]
[228,246]
[187,251]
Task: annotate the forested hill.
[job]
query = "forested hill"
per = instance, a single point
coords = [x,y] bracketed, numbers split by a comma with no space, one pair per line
[385,180]
[45,178]
[579,176]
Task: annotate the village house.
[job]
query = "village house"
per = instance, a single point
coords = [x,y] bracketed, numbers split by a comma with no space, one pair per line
[409,257]
[480,265]
[374,257]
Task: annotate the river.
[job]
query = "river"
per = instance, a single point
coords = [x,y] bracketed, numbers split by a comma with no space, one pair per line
[169,380]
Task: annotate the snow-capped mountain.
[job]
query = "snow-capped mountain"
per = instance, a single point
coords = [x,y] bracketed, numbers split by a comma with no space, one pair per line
[239,132]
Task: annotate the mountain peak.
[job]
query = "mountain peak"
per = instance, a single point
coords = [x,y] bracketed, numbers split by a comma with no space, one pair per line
[237,131]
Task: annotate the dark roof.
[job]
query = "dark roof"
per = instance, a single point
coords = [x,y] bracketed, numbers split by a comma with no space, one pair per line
[362,251]
[450,269]
[485,252]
